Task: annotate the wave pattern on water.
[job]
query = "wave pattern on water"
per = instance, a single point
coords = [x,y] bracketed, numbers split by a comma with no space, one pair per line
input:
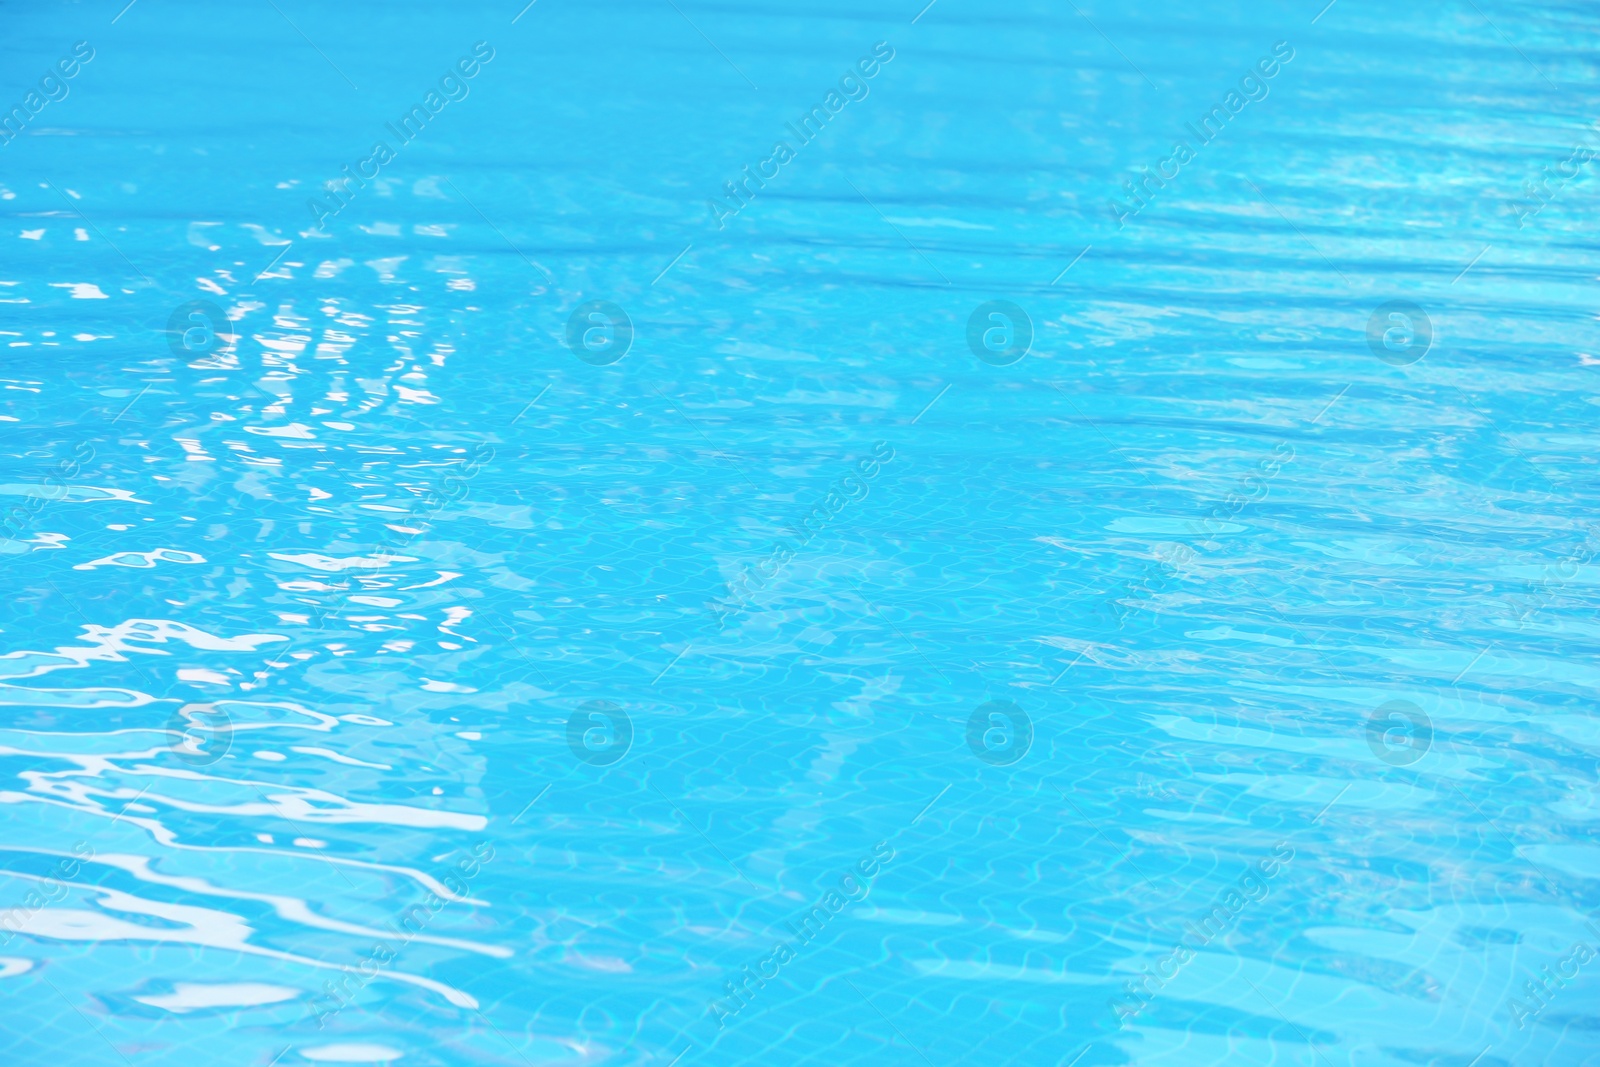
[409,659]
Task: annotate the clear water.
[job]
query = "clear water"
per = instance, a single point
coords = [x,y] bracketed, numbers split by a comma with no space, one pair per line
[388,680]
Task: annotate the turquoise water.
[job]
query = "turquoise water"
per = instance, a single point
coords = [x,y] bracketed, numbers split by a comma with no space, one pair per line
[1084,555]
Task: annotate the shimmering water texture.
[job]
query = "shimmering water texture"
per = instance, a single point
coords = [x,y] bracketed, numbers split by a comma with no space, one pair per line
[696,533]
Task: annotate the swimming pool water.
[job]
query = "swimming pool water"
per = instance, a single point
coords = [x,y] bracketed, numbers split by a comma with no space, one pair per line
[695,533]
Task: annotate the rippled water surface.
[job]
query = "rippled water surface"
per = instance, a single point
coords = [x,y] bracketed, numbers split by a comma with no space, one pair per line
[1085,555]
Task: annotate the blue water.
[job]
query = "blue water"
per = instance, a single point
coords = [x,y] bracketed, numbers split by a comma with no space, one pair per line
[1085,556]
